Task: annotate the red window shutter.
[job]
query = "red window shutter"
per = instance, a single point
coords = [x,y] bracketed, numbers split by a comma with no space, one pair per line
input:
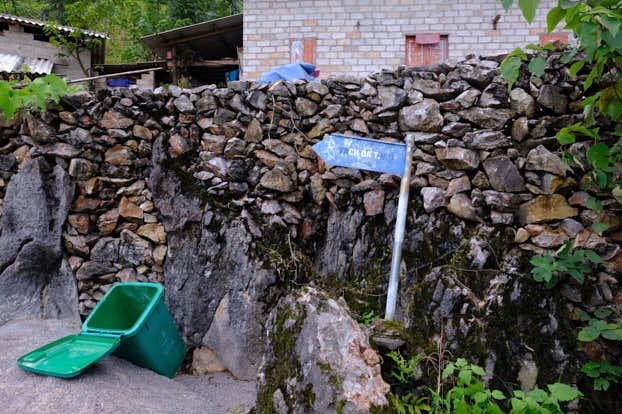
[303,50]
[426,49]
[547,38]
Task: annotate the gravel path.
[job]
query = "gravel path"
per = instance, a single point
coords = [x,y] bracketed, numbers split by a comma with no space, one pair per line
[111,386]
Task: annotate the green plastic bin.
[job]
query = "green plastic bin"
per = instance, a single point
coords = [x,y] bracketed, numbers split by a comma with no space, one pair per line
[132,321]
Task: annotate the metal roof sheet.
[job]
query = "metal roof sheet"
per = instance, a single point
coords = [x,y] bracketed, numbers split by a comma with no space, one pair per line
[211,39]
[38,23]
[16,63]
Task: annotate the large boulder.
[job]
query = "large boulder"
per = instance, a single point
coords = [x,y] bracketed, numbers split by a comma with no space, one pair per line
[315,348]
[36,280]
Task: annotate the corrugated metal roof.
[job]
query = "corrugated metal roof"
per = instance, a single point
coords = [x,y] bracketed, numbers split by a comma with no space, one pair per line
[16,63]
[211,39]
[38,23]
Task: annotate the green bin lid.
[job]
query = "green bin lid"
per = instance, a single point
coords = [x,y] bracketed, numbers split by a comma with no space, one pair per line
[69,356]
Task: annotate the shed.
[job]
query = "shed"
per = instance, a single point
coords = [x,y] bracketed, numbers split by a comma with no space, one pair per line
[203,52]
[25,47]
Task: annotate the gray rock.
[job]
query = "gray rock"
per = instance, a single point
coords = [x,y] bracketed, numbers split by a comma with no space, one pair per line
[494,96]
[106,249]
[505,202]
[486,140]
[424,116]
[457,158]
[491,118]
[92,269]
[522,103]
[541,159]
[277,180]
[205,104]
[35,280]
[551,97]
[503,175]
[468,98]
[460,204]
[82,169]
[59,149]
[306,107]
[433,198]
[520,129]
[183,104]
[235,147]
[325,351]
[456,129]
[134,250]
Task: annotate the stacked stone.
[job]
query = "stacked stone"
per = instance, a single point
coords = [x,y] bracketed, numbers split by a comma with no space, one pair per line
[225,167]
[113,232]
[482,153]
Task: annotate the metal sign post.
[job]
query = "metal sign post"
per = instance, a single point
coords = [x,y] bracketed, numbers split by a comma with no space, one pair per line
[380,156]
[400,226]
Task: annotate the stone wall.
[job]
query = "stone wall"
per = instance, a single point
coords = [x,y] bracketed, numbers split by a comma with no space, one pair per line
[357,37]
[216,193]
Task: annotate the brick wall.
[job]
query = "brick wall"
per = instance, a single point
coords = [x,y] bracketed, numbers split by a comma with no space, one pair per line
[362,36]
[16,42]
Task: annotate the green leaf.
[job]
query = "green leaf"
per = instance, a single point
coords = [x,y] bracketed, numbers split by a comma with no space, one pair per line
[593,256]
[554,16]
[601,384]
[611,24]
[466,376]
[528,8]
[510,70]
[576,67]
[563,392]
[565,137]
[479,397]
[477,370]
[507,4]
[599,227]
[588,334]
[594,204]
[449,370]
[537,65]
[612,334]
[601,178]
[598,155]
[602,313]
[617,193]
[498,395]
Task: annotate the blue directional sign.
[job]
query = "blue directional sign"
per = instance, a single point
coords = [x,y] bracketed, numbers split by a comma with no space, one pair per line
[362,153]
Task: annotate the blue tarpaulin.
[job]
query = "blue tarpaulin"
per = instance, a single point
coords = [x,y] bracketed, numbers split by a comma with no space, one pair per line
[289,72]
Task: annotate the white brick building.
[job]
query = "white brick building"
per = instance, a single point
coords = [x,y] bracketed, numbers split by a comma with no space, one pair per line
[362,36]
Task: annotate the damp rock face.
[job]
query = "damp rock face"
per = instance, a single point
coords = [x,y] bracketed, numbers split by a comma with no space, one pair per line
[318,359]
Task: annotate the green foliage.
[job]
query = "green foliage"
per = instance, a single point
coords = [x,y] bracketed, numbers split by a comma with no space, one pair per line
[540,401]
[575,262]
[408,404]
[510,67]
[31,95]
[527,7]
[369,317]
[600,328]
[468,395]
[407,369]
[603,374]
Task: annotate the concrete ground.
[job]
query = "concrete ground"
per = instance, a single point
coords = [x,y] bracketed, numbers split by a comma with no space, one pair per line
[111,386]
